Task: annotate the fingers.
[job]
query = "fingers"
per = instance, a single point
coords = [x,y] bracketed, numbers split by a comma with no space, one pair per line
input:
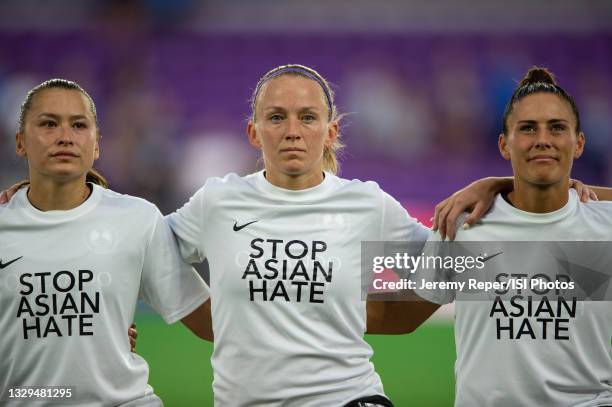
[477,213]
[442,220]
[587,193]
[582,190]
[583,193]
[436,217]
[7,194]
[584,197]
[451,220]
[132,335]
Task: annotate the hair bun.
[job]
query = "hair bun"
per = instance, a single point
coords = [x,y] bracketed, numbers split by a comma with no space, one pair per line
[538,75]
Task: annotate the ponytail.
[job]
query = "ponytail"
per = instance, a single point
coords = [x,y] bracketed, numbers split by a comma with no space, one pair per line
[95,177]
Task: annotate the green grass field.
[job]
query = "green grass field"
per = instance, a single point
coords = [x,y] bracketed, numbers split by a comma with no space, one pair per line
[416,369]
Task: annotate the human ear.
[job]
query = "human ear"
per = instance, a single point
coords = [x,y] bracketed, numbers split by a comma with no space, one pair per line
[253,135]
[580,140]
[20,145]
[97,148]
[332,133]
[503,147]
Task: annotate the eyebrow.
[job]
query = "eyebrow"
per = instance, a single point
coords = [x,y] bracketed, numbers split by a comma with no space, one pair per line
[57,117]
[280,108]
[551,121]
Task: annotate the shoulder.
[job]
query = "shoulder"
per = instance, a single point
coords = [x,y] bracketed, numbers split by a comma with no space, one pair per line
[228,183]
[356,186]
[113,200]
[4,206]
[16,202]
[600,211]
[494,218]
[354,183]
[4,209]
[598,206]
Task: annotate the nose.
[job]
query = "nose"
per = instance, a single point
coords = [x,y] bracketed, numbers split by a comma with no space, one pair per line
[543,139]
[293,129]
[65,135]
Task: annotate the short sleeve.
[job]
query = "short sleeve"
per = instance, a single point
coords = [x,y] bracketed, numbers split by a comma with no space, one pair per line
[398,225]
[434,247]
[187,224]
[169,285]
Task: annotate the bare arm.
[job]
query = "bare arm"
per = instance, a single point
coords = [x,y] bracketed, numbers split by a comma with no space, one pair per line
[477,198]
[603,194]
[394,316]
[200,322]
[7,194]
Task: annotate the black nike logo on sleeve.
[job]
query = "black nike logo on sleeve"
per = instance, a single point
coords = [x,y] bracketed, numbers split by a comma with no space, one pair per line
[237,228]
[486,258]
[4,265]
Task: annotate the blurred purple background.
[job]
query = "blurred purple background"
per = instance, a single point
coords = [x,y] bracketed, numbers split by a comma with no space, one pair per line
[424,84]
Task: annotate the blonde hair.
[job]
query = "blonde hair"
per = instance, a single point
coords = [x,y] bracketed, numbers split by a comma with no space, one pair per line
[330,153]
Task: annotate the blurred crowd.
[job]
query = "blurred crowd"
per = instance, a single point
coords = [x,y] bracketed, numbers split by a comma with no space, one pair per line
[423,110]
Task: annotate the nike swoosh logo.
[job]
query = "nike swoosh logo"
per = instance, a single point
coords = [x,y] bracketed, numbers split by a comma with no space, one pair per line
[491,256]
[4,265]
[237,228]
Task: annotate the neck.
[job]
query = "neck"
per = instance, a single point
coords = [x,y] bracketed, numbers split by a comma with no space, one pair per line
[50,195]
[539,198]
[295,182]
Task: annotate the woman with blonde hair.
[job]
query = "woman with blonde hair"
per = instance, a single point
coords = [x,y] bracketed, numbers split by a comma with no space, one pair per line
[284,249]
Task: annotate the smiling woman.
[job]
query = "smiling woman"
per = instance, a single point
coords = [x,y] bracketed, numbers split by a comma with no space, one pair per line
[517,347]
[541,139]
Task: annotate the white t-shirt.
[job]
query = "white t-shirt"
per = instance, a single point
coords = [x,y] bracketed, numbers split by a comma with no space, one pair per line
[518,359]
[69,284]
[285,285]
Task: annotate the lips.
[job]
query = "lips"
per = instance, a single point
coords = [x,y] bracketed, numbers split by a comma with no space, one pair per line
[64,154]
[543,158]
[293,150]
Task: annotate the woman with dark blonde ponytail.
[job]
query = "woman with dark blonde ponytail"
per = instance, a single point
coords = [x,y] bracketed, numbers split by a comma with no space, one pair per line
[74,259]
[92,176]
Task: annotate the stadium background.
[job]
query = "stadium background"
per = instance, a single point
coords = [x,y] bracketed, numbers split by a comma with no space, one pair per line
[424,85]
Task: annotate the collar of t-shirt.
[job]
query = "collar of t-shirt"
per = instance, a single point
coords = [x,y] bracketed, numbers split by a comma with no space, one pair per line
[302,195]
[22,202]
[548,217]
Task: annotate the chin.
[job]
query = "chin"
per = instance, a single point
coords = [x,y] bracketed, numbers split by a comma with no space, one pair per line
[294,169]
[294,173]
[544,175]
[64,175]
[544,181]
